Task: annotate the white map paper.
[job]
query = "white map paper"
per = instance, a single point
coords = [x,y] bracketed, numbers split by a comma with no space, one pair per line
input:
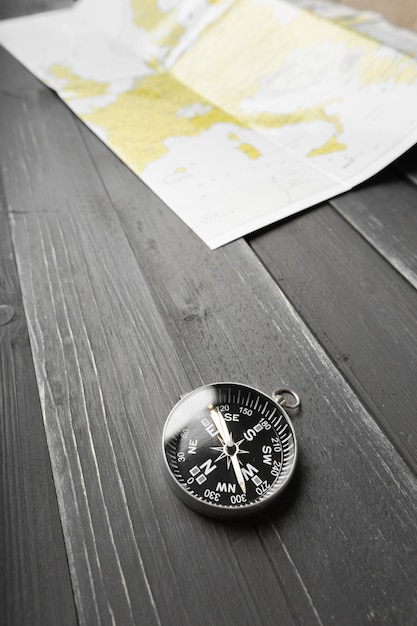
[237,113]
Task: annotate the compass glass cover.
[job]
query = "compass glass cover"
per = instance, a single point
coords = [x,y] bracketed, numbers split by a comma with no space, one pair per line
[229,449]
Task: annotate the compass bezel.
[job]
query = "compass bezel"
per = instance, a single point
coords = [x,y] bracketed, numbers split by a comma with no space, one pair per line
[179,419]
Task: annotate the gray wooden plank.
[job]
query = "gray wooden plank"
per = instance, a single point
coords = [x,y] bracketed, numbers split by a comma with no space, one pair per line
[361,309]
[17,8]
[331,544]
[35,586]
[408,165]
[108,372]
[16,80]
[35,582]
[384,212]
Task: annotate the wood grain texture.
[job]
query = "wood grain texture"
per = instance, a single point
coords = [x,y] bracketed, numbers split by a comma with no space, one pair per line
[327,543]
[408,165]
[126,310]
[384,212]
[17,8]
[108,372]
[356,303]
[33,566]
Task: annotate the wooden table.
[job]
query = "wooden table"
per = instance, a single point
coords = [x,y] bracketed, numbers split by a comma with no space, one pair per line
[110,308]
[401,12]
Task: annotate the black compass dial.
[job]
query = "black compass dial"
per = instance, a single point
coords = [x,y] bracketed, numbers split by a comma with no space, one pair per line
[229,449]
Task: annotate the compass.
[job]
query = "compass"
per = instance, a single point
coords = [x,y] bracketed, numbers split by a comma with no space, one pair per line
[230,449]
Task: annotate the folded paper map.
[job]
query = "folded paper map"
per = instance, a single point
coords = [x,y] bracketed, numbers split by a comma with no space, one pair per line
[236,113]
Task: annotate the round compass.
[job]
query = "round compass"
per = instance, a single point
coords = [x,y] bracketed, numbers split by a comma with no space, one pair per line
[229,449]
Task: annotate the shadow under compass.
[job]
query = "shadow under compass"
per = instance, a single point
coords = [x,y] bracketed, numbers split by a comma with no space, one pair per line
[285,503]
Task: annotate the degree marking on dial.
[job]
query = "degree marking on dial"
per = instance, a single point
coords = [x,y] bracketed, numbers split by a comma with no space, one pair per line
[278,421]
[272,415]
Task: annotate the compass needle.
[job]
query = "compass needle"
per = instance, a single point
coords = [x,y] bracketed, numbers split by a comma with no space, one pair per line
[238,472]
[230,448]
[220,424]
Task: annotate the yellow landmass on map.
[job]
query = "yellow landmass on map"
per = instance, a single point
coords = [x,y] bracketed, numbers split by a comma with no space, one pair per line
[75,86]
[249,150]
[162,26]
[140,120]
[246,148]
[147,14]
[304,115]
[330,146]
[382,69]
